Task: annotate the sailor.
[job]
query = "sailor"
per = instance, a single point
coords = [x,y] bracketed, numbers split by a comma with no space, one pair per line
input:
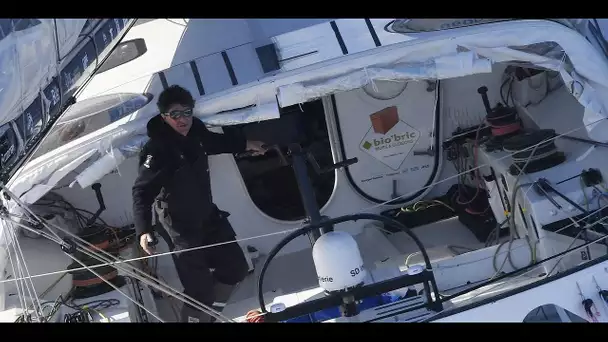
[174,180]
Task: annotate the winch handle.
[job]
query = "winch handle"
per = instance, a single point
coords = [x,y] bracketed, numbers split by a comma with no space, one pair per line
[97,188]
[309,156]
[330,168]
[267,147]
[483,91]
[277,148]
[295,148]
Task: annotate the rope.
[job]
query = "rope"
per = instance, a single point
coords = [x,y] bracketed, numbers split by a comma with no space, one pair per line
[21,259]
[438,267]
[533,147]
[518,247]
[567,252]
[512,227]
[519,157]
[478,167]
[253,317]
[155,283]
[117,289]
[363,210]
[87,252]
[18,280]
[499,131]
[87,268]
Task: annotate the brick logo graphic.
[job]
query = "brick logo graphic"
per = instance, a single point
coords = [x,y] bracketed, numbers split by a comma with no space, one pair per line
[389,139]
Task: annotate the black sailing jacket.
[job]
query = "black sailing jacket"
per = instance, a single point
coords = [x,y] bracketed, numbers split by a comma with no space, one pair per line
[174,172]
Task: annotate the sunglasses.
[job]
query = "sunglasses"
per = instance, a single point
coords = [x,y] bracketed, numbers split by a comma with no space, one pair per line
[176,114]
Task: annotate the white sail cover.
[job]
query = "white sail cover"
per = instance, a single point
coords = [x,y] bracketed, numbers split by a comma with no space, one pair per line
[31,51]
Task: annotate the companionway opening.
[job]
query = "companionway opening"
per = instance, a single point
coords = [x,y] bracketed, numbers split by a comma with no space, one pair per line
[271,185]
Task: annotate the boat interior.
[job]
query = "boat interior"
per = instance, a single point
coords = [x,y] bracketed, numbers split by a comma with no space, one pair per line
[457,184]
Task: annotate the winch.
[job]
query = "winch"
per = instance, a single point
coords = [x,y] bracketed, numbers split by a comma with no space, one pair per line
[86,283]
[533,151]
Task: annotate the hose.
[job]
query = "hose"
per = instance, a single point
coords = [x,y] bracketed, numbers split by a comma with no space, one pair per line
[512,229]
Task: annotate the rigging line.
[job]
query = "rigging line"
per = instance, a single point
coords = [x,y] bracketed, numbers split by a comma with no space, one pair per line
[454,176]
[270,234]
[440,181]
[20,250]
[526,272]
[207,246]
[566,252]
[156,283]
[20,259]
[160,254]
[117,289]
[33,297]
[480,166]
[523,246]
[21,288]
[35,231]
[132,273]
[141,258]
[512,227]
[276,233]
[448,178]
[29,285]
[18,277]
[569,246]
[85,251]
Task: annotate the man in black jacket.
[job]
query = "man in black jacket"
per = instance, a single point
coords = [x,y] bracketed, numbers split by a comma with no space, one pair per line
[174,180]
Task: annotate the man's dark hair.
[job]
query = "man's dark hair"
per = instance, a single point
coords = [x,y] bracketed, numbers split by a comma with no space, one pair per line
[174,95]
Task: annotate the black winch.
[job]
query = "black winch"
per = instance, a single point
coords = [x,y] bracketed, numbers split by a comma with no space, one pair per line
[533,151]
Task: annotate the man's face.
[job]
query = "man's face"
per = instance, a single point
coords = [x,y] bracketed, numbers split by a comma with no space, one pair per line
[179,118]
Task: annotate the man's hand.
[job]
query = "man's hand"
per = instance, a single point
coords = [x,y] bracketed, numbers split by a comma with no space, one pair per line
[143,242]
[256,146]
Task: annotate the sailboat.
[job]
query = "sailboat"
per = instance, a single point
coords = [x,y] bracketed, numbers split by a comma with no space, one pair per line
[420,170]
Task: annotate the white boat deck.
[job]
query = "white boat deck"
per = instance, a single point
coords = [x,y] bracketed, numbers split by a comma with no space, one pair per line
[298,266]
[374,246]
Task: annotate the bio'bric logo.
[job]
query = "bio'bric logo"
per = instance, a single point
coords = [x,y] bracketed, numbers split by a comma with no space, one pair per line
[384,141]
